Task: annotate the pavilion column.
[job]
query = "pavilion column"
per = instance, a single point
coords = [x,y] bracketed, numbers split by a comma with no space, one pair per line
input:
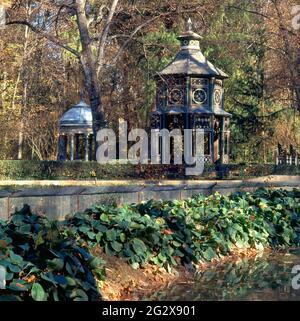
[62,148]
[87,143]
[72,143]
[212,141]
[228,146]
[90,149]
[77,142]
[222,137]
[163,126]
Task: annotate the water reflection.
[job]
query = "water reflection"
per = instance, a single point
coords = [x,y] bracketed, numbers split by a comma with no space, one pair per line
[266,277]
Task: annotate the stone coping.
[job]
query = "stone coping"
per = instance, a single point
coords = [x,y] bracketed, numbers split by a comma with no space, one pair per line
[272,178]
[56,199]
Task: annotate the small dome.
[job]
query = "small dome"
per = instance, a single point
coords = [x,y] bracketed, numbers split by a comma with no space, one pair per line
[78,116]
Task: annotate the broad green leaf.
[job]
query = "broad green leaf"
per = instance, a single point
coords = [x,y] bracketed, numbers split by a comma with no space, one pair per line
[139,246]
[209,254]
[122,237]
[111,235]
[104,218]
[116,246]
[96,262]
[79,295]
[37,292]
[56,264]
[16,259]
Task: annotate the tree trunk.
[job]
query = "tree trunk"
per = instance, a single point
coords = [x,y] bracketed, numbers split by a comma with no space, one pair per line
[23,75]
[88,63]
[93,91]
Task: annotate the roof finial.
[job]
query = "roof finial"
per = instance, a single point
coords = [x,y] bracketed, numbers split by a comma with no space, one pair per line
[189,24]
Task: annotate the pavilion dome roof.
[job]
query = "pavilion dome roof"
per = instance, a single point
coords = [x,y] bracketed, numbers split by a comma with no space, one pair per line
[190,60]
[79,115]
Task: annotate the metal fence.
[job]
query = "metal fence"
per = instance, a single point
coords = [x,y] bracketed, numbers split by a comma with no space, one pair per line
[287,157]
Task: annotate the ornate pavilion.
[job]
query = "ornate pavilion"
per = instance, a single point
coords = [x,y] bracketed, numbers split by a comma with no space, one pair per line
[190,95]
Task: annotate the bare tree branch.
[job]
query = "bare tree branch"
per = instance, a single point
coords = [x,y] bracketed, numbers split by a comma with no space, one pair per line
[251,11]
[104,35]
[144,24]
[46,35]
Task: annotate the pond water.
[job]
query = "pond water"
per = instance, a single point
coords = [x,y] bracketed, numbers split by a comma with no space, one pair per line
[267,277]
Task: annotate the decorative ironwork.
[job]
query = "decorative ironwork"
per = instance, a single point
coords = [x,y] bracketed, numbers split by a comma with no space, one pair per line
[200,82]
[284,157]
[161,96]
[217,127]
[202,122]
[190,96]
[155,121]
[176,97]
[218,97]
[200,92]
[199,96]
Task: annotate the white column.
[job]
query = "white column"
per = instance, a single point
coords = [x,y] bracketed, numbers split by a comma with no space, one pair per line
[72,147]
[86,137]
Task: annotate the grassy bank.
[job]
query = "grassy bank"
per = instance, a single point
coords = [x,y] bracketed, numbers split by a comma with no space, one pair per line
[52,261]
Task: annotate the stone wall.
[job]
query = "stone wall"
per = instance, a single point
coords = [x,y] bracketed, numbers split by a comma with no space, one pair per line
[58,201]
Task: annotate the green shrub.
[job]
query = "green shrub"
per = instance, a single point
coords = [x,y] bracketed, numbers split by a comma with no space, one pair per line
[51,261]
[63,170]
[43,265]
[193,230]
[77,170]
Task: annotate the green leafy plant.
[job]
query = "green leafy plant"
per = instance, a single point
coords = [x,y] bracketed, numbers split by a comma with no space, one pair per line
[42,265]
[198,229]
[48,260]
